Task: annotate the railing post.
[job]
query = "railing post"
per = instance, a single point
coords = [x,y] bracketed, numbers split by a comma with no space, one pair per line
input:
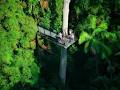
[44,31]
[50,33]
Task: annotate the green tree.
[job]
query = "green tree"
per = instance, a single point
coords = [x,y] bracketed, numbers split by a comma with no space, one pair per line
[94,36]
[59,12]
[17,35]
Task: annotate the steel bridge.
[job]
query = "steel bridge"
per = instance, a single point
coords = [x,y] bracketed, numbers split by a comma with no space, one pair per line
[51,36]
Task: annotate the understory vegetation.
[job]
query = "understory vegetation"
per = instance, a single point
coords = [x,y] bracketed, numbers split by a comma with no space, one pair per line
[30,62]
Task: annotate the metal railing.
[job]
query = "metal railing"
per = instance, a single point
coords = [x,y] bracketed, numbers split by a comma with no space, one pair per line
[47,32]
[54,37]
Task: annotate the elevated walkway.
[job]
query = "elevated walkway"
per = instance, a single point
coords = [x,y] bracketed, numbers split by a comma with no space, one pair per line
[51,36]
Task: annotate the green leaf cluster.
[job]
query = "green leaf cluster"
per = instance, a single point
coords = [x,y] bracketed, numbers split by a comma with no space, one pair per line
[17,31]
[94,35]
[59,12]
[51,18]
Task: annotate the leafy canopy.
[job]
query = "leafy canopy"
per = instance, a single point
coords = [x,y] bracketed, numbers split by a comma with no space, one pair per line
[17,31]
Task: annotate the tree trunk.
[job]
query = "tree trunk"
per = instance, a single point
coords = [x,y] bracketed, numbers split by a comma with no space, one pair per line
[63,61]
[65,17]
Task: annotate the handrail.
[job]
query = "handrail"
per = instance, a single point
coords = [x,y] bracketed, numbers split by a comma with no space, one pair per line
[47,32]
[53,35]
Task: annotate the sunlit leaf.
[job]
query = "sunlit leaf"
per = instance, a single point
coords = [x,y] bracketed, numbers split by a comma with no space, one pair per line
[84,36]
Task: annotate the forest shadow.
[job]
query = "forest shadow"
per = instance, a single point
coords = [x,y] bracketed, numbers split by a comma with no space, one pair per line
[49,62]
[83,68]
[53,14]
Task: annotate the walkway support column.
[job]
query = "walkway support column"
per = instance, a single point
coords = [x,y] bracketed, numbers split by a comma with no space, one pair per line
[63,64]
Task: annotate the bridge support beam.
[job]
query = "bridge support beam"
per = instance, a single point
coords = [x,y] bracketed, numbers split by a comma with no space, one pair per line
[63,65]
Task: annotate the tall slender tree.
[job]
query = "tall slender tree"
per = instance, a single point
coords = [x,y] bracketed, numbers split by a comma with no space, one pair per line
[65,17]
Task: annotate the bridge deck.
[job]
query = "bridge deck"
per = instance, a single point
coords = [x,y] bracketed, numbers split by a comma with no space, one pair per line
[46,32]
[51,36]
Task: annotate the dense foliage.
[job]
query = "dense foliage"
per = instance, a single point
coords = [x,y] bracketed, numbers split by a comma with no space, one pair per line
[51,17]
[97,26]
[17,44]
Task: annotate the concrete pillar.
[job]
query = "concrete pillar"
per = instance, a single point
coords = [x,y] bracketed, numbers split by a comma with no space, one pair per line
[63,65]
